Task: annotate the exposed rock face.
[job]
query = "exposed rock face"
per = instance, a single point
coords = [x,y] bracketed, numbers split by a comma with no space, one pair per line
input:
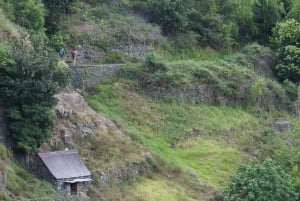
[77,119]
[90,54]
[134,51]
[93,54]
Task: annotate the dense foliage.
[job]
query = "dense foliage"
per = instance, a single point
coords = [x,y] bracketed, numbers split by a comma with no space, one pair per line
[221,23]
[237,75]
[259,182]
[286,42]
[29,79]
[204,18]
[54,11]
[27,13]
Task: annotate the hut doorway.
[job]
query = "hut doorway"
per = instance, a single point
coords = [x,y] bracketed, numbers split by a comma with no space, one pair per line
[74,188]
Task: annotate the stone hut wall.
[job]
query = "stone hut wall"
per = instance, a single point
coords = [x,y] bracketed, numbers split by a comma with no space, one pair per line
[65,188]
[41,171]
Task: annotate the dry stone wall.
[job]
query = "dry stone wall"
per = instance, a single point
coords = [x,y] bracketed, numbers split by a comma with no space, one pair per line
[91,75]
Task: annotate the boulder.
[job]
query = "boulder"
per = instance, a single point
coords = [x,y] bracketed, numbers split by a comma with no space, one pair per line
[282,126]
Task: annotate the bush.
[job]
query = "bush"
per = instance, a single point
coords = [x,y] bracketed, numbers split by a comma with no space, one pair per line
[289,66]
[4,153]
[258,182]
[153,64]
[294,11]
[286,40]
[29,13]
[171,15]
[57,41]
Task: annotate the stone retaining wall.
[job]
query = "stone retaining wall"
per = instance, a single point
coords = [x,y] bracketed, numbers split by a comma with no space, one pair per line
[117,175]
[195,93]
[91,75]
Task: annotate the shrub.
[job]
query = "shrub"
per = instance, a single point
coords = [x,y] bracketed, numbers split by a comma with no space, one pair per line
[171,15]
[294,11]
[258,182]
[153,64]
[291,88]
[250,54]
[57,41]
[29,13]
[289,67]
[4,153]
[286,40]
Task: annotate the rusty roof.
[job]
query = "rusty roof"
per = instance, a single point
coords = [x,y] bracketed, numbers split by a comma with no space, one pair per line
[64,164]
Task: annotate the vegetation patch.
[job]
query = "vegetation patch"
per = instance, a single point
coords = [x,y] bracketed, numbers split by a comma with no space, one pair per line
[158,190]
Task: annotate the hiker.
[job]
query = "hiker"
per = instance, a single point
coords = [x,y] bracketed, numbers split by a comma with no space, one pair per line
[62,53]
[74,56]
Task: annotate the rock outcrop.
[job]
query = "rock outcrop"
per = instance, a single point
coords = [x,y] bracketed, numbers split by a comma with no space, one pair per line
[77,119]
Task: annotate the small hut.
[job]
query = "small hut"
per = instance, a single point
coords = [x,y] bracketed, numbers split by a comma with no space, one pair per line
[65,170]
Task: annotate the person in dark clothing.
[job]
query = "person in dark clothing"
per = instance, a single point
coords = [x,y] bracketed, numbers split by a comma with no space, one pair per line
[62,53]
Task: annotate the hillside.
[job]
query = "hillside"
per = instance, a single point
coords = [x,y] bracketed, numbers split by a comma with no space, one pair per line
[167,100]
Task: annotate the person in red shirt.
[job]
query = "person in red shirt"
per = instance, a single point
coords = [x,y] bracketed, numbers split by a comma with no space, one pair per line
[74,56]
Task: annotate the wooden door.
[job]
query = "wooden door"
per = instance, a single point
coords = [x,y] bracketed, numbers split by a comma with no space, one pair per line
[74,188]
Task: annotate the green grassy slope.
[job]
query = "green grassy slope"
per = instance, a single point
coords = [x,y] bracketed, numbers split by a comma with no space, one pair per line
[196,147]
[200,141]
[164,128]
[17,184]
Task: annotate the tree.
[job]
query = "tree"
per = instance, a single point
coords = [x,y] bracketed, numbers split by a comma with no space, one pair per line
[55,9]
[206,18]
[242,15]
[260,182]
[27,85]
[286,40]
[266,14]
[294,11]
[29,13]
[170,14]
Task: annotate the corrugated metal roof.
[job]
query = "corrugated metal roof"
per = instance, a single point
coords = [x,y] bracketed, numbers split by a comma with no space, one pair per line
[64,164]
